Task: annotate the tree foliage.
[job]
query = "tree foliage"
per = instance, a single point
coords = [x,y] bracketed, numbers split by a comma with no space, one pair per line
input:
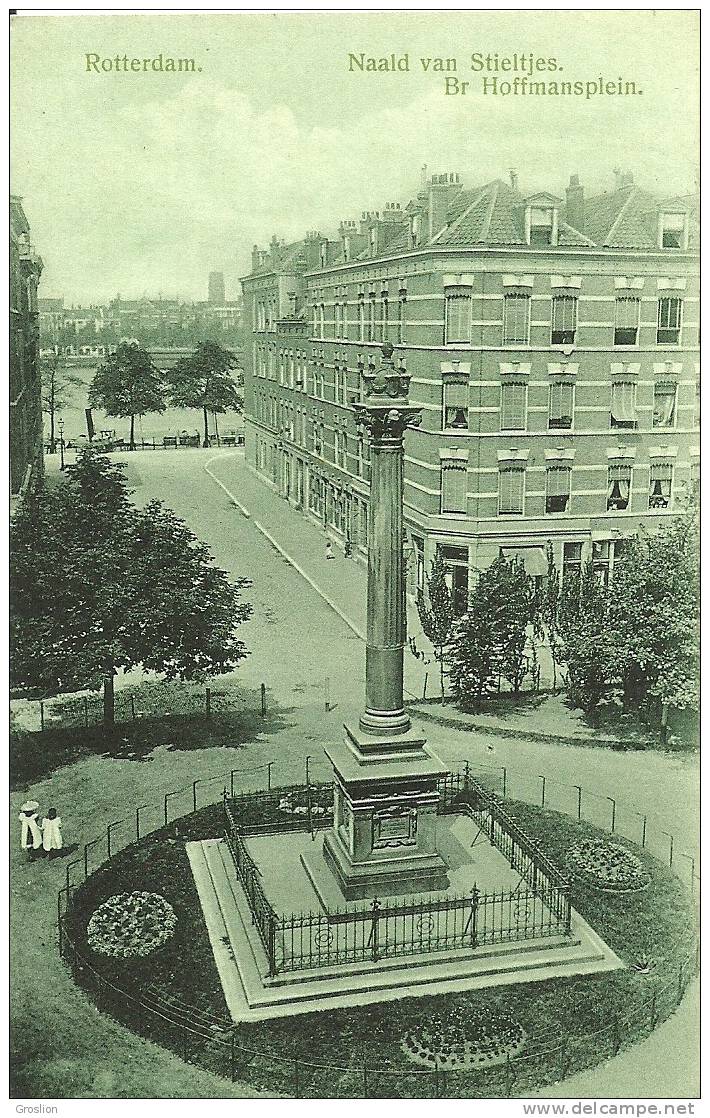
[99,585]
[204,380]
[436,611]
[490,639]
[128,384]
[58,385]
[585,638]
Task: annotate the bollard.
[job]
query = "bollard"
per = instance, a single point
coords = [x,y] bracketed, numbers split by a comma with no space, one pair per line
[612,801]
[263,705]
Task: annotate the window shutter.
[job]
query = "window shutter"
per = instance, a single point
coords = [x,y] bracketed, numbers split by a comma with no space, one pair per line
[512,407]
[458,318]
[453,486]
[510,491]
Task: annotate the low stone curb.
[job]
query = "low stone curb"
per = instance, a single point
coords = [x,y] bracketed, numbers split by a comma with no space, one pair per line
[530,735]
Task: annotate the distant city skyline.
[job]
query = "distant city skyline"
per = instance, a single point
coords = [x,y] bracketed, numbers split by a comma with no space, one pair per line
[136,183]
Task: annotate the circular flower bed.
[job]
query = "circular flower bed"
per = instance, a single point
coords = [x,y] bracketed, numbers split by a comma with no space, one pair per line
[131,925]
[607,865]
[471,1040]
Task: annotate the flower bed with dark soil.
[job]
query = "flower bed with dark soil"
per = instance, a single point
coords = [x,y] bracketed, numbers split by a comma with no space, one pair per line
[547,1030]
[607,865]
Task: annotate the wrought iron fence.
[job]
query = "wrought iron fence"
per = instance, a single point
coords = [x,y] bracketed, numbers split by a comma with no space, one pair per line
[379,930]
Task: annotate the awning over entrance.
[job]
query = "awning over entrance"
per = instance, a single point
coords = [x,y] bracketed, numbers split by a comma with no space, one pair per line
[534,558]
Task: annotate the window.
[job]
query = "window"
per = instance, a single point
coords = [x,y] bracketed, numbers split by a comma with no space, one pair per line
[561,407]
[338,322]
[601,560]
[618,487]
[669,314]
[322,320]
[371,320]
[541,222]
[672,230]
[511,482]
[664,405]
[564,319]
[361,319]
[516,318]
[626,320]
[401,309]
[659,492]
[453,486]
[623,404]
[571,561]
[512,407]
[455,390]
[558,488]
[385,319]
[456,560]
[458,318]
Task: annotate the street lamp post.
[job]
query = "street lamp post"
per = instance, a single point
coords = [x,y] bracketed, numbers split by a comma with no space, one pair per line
[61,444]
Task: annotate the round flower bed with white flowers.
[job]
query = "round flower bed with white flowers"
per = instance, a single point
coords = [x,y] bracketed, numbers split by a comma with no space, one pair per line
[131,925]
[607,865]
[464,1040]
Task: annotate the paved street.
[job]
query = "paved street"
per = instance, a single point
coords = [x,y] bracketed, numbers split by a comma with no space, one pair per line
[297,641]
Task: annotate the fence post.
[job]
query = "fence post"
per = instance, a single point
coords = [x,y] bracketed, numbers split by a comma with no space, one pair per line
[231,782]
[643,833]
[133,708]
[544,782]
[426,676]
[138,821]
[194,795]
[59,924]
[466,775]
[579,801]
[263,711]
[565,890]
[612,801]
[165,808]
[505,781]
[272,947]
[680,982]
[374,932]
[208,703]
[41,715]
[268,775]
[108,837]
[474,916]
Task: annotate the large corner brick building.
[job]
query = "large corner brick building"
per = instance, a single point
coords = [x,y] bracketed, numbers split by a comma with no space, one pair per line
[553,347]
[26,443]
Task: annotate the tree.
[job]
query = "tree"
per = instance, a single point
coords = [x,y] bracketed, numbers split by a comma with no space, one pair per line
[585,640]
[519,613]
[436,612]
[58,384]
[203,380]
[489,639]
[549,608]
[654,617]
[128,384]
[98,585]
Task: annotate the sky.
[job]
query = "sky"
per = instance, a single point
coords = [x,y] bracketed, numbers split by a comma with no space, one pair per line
[143,183]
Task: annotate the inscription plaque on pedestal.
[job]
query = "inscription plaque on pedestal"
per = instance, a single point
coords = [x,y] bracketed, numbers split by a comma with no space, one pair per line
[394,828]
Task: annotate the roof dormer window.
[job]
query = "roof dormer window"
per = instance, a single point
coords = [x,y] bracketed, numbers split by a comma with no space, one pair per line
[543,225]
[672,230]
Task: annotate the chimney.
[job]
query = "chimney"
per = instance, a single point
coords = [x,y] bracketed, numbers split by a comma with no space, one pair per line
[442,189]
[255,262]
[574,212]
[513,179]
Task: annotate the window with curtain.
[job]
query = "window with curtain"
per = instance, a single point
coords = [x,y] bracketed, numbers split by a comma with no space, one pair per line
[661,480]
[664,396]
[512,407]
[669,315]
[564,319]
[561,407]
[458,318]
[455,392]
[516,318]
[623,404]
[618,487]
[627,309]
[453,485]
[559,480]
[511,482]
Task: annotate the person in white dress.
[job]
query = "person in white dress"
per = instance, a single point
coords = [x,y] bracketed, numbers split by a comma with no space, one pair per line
[52,832]
[31,835]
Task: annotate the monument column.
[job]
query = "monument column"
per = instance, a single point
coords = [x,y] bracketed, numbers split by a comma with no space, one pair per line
[385,776]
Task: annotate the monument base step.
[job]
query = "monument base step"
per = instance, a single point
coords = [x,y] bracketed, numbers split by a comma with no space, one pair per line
[251,995]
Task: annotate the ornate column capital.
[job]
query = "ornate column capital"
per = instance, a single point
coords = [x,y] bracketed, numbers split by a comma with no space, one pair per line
[386,411]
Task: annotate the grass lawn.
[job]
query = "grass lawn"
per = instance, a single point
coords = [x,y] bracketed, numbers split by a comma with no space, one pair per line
[571,1023]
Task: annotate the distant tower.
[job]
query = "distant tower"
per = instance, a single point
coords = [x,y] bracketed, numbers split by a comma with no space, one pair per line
[215,289]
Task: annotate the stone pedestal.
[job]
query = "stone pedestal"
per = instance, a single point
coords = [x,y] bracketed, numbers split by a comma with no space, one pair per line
[383,840]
